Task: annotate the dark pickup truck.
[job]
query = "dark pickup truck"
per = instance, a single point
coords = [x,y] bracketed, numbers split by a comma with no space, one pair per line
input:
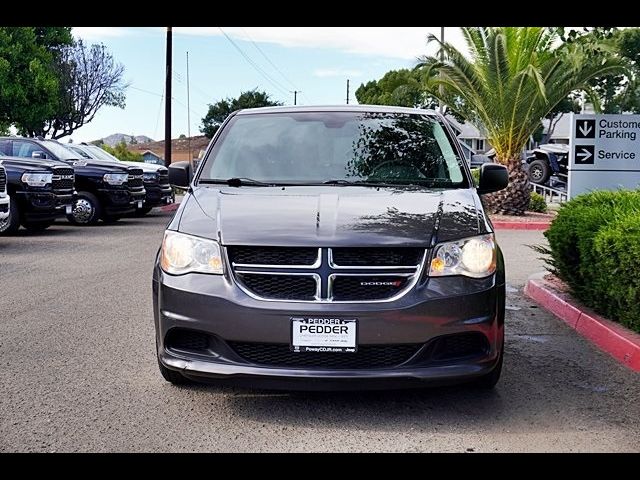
[156,177]
[105,190]
[40,191]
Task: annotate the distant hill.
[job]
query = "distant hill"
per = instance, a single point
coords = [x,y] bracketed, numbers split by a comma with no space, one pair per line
[115,138]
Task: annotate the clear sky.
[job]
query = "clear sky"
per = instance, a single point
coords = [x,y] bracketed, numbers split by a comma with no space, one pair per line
[316,60]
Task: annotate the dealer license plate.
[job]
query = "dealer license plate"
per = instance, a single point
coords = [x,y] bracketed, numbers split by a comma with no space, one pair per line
[323,334]
[68,209]
[139,203]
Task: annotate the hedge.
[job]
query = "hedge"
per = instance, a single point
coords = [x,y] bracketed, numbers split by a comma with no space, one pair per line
[594,246]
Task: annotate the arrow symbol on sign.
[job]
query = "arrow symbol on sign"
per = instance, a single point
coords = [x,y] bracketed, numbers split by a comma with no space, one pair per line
[584,155]
[585,128]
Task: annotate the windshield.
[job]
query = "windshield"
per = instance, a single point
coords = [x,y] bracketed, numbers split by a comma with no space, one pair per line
[60,151]
[319,147]
[79,151]
[101,154]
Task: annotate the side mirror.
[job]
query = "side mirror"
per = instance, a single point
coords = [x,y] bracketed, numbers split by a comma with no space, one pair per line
[180,174]
[493,177]
[38,154]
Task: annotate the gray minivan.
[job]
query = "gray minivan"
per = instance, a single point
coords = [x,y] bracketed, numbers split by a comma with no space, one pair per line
[331,247]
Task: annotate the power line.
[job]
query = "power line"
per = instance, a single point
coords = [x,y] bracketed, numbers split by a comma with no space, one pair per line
[270,79]
[155,131]
[146,91]
[295,87]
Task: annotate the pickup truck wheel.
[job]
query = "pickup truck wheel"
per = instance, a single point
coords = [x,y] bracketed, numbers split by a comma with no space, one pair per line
[141,212]
[539,171]
[11,224]
[86,209]
[37,226]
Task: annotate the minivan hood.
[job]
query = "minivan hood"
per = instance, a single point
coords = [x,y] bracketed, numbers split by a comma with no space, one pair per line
[331,215]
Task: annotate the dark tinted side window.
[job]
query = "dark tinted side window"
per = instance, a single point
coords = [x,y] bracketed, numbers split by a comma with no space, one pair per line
[22,148]
[5,147]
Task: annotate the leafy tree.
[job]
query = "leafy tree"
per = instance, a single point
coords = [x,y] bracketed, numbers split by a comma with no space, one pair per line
[88,79]
[402,87]
[566,105]
[219,111]
[29,82]
[511,79]
[121,151]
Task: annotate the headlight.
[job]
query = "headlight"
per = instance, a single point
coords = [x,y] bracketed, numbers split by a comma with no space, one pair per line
[115,178]
[37,179]
[184,253]
[150,177]
[473,257]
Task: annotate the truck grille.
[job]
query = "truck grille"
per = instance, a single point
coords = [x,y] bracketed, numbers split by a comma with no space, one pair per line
[163,177]
[135,180]
[3,179]
[310,274]
[63,179]
[367,356]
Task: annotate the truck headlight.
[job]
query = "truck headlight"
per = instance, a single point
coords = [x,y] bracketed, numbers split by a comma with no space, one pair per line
[185,253]
[115,178]
[472,257]
[37,179]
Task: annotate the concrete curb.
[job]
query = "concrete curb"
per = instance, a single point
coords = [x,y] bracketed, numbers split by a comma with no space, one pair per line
[619,342]
[502,225]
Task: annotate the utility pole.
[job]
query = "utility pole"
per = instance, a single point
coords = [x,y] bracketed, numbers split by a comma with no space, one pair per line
[189,119]
[295,96]
[347,91]
[441,87]
[167,102]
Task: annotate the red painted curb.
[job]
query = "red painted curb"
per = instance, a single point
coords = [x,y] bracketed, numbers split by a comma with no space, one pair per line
[170,208]
[502,225]
[619,342]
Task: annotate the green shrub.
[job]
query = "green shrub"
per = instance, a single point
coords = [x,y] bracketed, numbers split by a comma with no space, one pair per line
[537,203]
[475,173]
[617,271]
[590,245]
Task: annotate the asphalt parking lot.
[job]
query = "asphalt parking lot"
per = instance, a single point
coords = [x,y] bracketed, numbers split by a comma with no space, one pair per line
[78,371]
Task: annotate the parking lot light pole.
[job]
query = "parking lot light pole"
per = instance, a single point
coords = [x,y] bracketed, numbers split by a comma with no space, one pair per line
[167,104]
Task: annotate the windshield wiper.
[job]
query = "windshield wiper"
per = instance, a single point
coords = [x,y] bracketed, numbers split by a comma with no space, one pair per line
[367,183]
[237,182]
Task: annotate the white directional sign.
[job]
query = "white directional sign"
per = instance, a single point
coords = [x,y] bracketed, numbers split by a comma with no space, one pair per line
[604,153]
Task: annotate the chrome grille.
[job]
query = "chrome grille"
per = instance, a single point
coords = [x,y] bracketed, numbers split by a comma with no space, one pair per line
[63,179]
[310,274]
[135,180]
[3,179]
[163,176]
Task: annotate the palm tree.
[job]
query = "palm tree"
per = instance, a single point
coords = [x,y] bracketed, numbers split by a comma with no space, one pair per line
[511,78]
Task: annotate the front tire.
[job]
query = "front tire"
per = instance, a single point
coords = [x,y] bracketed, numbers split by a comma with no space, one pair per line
[11,224]
[539,172]
[86,210]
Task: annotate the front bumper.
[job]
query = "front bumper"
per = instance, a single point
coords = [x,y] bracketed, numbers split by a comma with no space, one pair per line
[157,195]
[434,308]
[121,201]
[44,206]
